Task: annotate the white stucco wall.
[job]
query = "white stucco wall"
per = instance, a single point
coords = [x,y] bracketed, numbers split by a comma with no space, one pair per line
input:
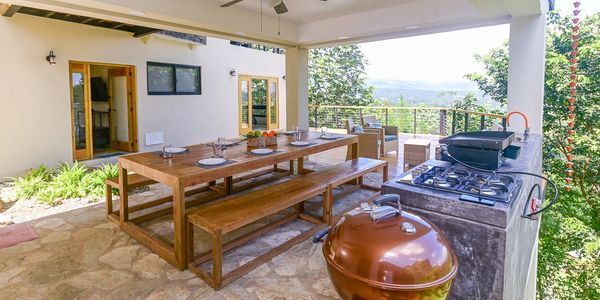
[35,117]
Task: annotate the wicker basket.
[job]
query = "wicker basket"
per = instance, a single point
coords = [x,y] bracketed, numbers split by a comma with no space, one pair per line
[255,142]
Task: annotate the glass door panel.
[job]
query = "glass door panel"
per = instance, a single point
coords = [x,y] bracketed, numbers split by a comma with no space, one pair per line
[245,105]
[273,109]
[259,104]
[80,105]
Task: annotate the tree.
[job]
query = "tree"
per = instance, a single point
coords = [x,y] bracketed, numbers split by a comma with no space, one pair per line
[569,254]
[336,77]
[495,82]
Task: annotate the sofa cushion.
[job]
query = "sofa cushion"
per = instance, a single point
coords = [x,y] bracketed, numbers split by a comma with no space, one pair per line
[391,137]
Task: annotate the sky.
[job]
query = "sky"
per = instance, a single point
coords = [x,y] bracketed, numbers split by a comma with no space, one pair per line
[443,57]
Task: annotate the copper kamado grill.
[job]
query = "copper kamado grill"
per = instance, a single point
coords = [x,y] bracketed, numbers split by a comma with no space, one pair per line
[381,252]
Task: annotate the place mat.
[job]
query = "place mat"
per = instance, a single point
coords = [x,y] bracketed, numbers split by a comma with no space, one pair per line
[267,154]
[227,162]
[332,138]
[15,234]
[309,144]
[159,153]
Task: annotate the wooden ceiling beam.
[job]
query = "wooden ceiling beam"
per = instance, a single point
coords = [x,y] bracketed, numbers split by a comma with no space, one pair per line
[141,32]
[8,10]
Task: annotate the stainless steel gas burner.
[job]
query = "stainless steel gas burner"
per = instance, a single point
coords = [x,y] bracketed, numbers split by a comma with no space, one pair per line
[497,187]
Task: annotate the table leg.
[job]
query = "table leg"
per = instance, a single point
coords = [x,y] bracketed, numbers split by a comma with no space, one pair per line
[228,184]
[354,151]
[301,165]
[123,196]
[292,167]
[180,236]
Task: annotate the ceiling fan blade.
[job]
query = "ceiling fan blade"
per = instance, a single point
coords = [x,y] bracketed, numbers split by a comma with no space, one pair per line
[280,8]
[230,3]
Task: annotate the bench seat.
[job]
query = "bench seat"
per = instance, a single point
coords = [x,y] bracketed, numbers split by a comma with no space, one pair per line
[134,180]
[345,172]
[238,211]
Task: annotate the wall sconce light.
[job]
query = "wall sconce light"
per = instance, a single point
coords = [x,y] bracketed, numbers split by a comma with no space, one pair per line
[232,73]
[51,58]
[284,77]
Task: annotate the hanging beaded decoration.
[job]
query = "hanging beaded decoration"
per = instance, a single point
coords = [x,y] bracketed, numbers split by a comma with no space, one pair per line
[573,95]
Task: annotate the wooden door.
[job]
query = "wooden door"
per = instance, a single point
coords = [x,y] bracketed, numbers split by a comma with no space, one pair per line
[81,111]
[245,103]
[122,109]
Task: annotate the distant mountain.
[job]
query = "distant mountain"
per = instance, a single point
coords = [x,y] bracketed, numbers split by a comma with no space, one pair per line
[431,93]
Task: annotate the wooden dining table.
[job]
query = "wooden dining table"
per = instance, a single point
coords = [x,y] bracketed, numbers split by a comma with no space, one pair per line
[182,171]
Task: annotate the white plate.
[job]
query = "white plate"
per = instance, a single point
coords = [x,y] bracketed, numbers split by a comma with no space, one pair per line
[330,137]
[262,151]
[300,143]
[176,150]
[212,161]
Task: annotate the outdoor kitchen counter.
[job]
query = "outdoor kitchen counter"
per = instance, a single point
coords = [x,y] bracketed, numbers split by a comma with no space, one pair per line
[496,247]
[501,214]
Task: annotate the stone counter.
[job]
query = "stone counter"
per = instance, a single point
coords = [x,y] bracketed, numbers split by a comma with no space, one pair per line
[494,245]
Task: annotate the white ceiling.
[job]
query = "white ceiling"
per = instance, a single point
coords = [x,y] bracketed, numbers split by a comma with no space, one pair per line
[309,23]
[305,11]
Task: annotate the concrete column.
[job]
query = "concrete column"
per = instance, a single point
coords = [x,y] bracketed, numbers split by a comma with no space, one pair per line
[296,70]
[526,65]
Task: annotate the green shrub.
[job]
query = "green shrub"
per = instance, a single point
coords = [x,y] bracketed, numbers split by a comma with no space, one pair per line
[93,182]
[34,181]
[68,181]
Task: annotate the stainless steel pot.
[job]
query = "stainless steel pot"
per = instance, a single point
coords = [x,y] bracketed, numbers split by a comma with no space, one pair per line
[380,252]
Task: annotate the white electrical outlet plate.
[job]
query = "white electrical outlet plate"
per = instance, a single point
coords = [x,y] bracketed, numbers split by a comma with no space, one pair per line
[155,138]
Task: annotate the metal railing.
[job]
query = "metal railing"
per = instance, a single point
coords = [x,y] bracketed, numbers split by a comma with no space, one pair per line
[416,120]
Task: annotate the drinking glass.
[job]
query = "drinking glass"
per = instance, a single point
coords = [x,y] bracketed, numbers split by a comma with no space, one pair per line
[167,151]
[323,131]
[262,142]
[296,134]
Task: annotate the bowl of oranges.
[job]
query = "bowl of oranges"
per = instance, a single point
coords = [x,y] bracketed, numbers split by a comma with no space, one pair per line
[254,138]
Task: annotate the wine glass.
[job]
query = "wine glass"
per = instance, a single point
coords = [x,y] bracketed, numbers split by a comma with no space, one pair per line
[323,131]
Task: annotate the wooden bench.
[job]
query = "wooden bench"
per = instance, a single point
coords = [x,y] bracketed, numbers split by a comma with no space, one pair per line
[345,172]
[238,211]
[133,181]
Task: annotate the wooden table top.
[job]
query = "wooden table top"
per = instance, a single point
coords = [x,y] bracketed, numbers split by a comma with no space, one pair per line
[183,167]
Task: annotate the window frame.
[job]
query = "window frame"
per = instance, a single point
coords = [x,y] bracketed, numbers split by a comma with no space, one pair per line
[174,69]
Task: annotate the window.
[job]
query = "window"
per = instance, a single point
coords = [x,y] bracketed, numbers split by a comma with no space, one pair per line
[172,79]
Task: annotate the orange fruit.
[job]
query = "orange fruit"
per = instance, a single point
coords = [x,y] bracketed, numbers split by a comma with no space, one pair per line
[272,133]
[265,133]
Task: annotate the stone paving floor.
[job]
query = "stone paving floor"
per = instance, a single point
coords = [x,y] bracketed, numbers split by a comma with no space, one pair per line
[81,255]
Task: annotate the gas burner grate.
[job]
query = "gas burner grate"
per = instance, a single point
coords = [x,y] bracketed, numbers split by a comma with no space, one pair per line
[497,187]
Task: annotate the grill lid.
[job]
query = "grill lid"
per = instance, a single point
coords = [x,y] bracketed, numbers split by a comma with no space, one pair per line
[398,252]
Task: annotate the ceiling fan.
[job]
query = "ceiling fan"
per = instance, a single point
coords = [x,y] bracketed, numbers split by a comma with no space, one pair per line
[278,5]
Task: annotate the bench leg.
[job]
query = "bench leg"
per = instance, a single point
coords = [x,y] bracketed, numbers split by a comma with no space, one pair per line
[292,167]
[109,199]
[217,272]
[385,173]
[190,240]
[328,205]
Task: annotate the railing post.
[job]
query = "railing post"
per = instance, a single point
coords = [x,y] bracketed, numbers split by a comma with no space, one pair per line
[482,123]
[466,121]
[443,113]
[336,117]
[504,123]
[415,123]
[317,116]
[360,115]
[453,122]
[387,113]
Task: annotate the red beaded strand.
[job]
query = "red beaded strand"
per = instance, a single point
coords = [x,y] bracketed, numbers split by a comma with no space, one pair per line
[573,95]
